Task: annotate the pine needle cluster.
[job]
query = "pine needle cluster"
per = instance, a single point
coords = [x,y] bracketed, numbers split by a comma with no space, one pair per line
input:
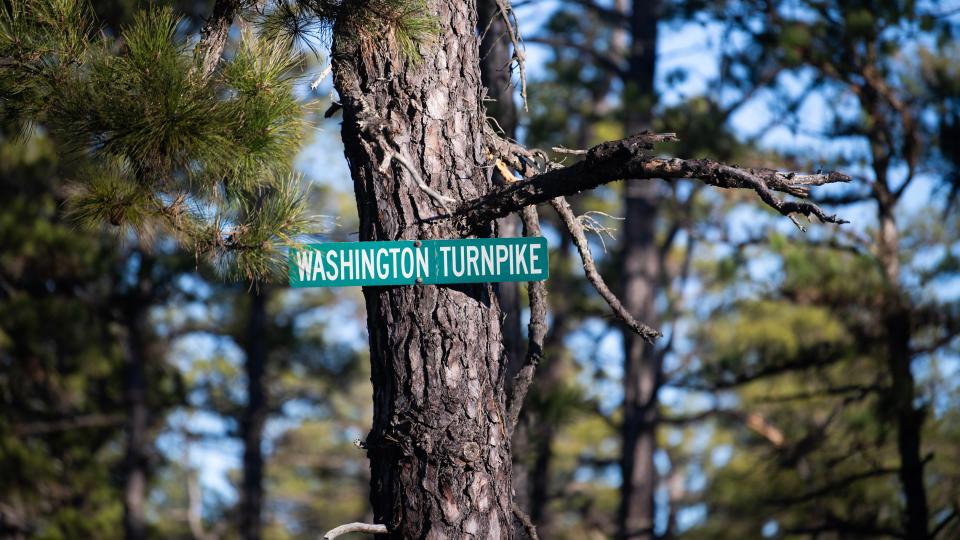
[173,151]
[204,159]
[402,25]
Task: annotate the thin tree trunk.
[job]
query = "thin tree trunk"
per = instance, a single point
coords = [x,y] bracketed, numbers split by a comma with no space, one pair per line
[254,417]
[909,419]
[137,458]
[495,63]
[439,455]
[541,435]
[640,266]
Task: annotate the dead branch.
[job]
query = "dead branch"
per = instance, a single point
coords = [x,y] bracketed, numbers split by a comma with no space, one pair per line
[593,276]
[368,528]
[519,50]
[537,330]
[628,159]
[373,126]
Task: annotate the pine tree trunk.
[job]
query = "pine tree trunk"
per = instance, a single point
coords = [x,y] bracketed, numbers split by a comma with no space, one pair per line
[642,369]
[137,457]
[542,434]
[254,418]
[909,420]
[439,455]
[640,265]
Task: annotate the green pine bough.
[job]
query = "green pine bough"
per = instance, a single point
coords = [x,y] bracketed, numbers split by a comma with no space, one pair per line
[175,141]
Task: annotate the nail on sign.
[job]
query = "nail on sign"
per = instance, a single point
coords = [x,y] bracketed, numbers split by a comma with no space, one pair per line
[431,262]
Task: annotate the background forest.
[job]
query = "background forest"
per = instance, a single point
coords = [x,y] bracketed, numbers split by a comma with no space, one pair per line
[807,384]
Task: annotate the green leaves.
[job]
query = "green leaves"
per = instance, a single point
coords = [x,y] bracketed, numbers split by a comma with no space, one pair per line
[147,105]
[108,194]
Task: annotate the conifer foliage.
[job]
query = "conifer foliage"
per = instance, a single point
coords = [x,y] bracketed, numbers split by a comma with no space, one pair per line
[202,159]
[205,159]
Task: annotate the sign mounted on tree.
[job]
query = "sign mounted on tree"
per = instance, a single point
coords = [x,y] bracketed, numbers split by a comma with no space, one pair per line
[430,262]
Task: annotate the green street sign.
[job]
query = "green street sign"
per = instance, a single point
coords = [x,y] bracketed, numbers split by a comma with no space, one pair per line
[430,262]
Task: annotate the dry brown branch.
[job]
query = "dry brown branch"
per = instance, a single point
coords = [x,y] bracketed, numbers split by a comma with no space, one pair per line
[519,50]
[629,159]
[537,330]
[371,124]
[593,276]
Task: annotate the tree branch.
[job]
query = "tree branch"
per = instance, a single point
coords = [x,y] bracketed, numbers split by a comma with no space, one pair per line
[527,523]
[602,59]
[593,276]
[626,159]
[214,34]
[30,429]
[837,485]
[537,330]
[369,528]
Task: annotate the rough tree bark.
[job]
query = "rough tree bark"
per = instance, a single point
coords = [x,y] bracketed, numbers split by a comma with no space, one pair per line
[640,266]
[439,454]
[254,417]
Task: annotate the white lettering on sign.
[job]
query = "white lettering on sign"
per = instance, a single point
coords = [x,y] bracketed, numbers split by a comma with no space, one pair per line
[430,261]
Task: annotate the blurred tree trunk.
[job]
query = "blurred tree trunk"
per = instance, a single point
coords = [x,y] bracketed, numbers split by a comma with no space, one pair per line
[909,419]
[495,72]
[137,458]
[542,434]
[254,417]
[439,455]
[639,267]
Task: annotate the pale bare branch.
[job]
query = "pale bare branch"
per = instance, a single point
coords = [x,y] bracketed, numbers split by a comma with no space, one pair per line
[368,528]
[593,276]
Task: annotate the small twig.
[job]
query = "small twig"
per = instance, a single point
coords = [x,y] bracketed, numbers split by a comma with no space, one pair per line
[375,127]
[323,75]
[574,151]
[593,276]
[442,200]
[593,225]
[368,528]
[525,520]
[513,32]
